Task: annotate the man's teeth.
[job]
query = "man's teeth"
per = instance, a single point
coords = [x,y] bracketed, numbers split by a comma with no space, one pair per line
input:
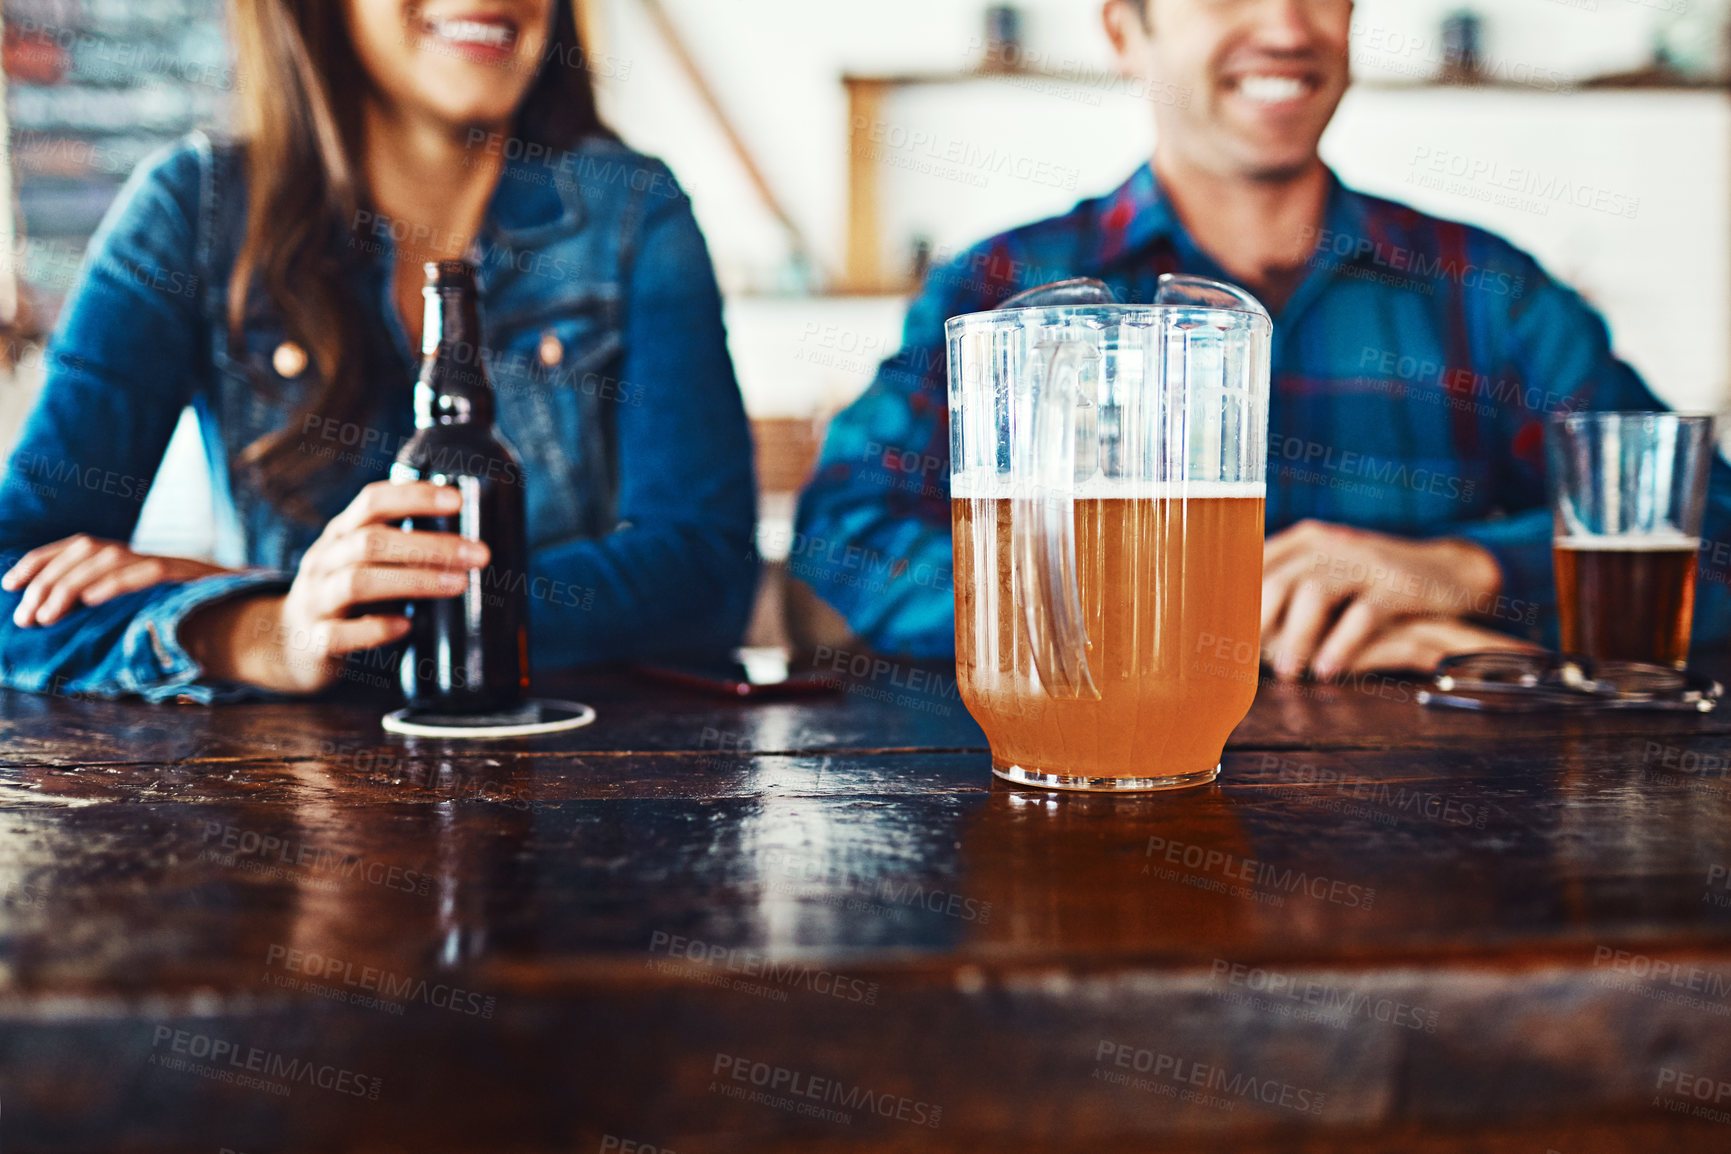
[474,32]
[1271,89]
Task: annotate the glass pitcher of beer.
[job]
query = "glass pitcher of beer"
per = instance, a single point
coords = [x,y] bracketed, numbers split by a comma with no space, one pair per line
[1107,481]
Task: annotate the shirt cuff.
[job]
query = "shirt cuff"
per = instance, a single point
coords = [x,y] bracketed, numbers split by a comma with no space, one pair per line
[158,668]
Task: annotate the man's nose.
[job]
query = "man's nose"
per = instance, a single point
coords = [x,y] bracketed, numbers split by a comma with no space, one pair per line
[1285,24]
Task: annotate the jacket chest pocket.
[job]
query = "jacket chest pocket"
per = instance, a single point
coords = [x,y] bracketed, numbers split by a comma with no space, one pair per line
[255,393]
[556,376]
[260,386]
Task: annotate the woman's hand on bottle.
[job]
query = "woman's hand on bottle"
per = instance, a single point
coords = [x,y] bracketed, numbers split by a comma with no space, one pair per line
[86,570]
[296,642]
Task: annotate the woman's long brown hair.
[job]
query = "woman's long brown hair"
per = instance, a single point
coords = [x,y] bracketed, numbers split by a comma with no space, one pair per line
[305,190]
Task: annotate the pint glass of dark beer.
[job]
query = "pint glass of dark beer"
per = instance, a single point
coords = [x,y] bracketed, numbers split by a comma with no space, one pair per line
[1628,491]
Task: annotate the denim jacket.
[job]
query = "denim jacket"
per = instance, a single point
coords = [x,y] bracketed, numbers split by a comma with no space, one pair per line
[602,331]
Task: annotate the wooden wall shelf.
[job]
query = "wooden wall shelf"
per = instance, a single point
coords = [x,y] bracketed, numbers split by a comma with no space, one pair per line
[863,273]
[868,95]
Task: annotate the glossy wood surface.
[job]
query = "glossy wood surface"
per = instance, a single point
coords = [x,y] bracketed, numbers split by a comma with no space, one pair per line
[1385,928]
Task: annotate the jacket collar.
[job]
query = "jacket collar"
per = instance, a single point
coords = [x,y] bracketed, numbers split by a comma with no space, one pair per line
[535,201]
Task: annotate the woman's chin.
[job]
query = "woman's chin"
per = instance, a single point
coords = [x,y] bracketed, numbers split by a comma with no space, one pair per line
[487,111]
[463,90]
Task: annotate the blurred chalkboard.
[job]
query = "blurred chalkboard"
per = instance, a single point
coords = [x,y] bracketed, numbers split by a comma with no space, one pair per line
[93,87]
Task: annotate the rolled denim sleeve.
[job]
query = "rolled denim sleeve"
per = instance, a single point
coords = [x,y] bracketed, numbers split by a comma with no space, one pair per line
[123,362]
[129,646]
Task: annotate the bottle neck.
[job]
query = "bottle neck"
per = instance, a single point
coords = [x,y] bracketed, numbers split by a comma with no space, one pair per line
[453,388]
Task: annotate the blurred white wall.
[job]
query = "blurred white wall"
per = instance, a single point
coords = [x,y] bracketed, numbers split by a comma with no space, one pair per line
[1649,243]
[775,65]
[1565,39]
[1663,277]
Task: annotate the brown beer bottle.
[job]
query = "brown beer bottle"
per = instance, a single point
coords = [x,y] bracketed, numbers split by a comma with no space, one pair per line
[467,654]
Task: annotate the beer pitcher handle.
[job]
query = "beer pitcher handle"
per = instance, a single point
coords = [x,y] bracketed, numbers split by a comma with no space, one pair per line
[1183,289]
[1043,528]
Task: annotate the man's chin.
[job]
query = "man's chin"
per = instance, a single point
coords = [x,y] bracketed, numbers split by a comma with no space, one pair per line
[1273,160]
[1273,149]
[1279,171]
[1261,157]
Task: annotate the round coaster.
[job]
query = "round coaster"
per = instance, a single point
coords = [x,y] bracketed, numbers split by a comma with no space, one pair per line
[538,716]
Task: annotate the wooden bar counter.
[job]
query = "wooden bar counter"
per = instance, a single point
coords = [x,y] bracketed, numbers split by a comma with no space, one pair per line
[818,925]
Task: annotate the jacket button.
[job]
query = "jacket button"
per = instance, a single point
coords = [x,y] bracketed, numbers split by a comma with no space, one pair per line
[552,349]
[289,360]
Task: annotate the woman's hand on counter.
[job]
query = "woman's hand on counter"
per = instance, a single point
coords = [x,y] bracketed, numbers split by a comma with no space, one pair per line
[86,570]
